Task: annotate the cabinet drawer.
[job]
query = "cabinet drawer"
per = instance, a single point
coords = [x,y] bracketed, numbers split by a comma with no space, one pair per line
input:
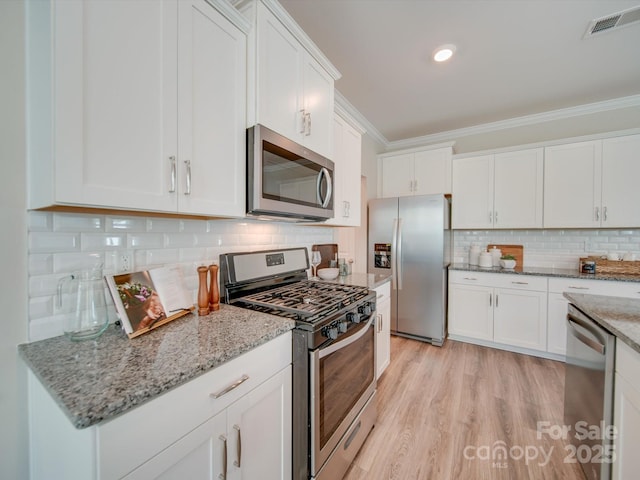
[627,362]
[129,440]
[595,287]
[499,280]
[383,292]
[469,278]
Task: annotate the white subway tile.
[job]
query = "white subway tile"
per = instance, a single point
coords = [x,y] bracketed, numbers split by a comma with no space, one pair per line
[125,224]
[47,242]
[40,221]
[145,240]
[68,222]
[194,226]
[40,307]
[102,241]
[161,257]
[194,255]
[47,327]
[40,264]
[44,285]
[72,262]
[163,225]
[179,240]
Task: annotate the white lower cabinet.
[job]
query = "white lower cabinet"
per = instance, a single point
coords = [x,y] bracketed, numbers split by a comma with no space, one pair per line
[508,311]
[626,413]
[186,433]
[383,328]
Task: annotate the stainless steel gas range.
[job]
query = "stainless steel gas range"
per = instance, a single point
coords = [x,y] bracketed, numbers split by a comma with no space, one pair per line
[334,382]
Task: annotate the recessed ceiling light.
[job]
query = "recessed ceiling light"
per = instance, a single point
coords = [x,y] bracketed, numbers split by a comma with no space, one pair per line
[444,53]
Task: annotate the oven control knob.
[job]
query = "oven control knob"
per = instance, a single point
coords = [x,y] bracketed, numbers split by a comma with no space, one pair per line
[332,333]
[353,317]
[365,309]
[342,326]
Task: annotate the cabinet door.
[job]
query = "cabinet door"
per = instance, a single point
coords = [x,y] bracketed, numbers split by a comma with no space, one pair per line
[472,192]
[432,171]
[383,336]
[572,185]
[397,175]
[620,173]
[279,76]
[317,91]
[518,189]
[199,454]
[211,105]
[259,426]
[115,98]
[471,311]
[557,324]
[520,318]
[346,175]
[626,411]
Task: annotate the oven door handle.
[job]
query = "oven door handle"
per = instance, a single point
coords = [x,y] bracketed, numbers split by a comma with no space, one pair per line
[347,341]
[594,345]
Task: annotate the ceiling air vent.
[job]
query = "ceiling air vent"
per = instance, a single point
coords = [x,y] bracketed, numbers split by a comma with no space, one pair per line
[615,20]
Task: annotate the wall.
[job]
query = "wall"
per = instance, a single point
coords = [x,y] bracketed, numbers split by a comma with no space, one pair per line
[550,248]
[60,243]
[13,258]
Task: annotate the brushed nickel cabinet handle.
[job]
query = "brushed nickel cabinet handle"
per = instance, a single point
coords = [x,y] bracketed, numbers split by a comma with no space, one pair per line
[470,278]
[495,217]
[578,288]
[490,300]
[520,283]
[303,121]
[307,117]
[228,388]
[496,300]
[172,184]
[223,475]
[604,214]
[188,164]
[237,463]
[597,214]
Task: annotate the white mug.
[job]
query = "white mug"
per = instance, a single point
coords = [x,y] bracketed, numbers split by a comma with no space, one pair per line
[629,256]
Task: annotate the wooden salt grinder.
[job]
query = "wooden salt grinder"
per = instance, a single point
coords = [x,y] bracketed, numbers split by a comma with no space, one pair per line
[214,292]
[203,294]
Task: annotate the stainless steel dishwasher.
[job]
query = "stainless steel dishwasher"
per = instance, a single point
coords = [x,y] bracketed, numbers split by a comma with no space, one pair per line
[588,394]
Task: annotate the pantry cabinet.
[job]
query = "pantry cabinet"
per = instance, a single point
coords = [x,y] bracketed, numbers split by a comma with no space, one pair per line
[235,417]
[591,184]
[419,172]
[498,191]
[137,105]
[290,91]
[347,157]
[383,328]
[502,310]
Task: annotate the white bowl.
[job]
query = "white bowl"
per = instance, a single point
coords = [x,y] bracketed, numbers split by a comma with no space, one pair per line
[328,273]
[509,264]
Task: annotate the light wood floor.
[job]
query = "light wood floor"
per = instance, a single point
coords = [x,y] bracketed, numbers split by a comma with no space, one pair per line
[443,410]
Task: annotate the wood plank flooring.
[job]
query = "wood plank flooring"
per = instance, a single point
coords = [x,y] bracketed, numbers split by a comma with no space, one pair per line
[445,412]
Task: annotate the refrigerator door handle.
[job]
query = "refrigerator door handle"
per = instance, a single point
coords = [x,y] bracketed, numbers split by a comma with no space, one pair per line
[399,255]
[394,262]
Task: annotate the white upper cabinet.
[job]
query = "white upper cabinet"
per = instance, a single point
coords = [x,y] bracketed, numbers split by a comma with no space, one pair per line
[134,105]
[421,172]
[290,91]
[572,191]
[620,174]
[347,156]
[592,184]
[498,191]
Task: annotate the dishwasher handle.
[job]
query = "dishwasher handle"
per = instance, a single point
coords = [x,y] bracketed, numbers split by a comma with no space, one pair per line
[593,344]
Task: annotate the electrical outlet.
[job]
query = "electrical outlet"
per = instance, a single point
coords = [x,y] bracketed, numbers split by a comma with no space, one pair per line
[124,262]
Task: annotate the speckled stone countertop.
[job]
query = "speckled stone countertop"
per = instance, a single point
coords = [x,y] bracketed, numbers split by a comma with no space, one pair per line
[547,272]
[621,316]
[369,280]
[94,381]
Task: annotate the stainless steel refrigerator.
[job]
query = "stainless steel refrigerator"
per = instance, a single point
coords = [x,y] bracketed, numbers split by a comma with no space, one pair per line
[410,238]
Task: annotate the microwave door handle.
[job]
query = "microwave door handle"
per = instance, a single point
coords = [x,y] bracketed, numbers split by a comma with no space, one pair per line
[324,173]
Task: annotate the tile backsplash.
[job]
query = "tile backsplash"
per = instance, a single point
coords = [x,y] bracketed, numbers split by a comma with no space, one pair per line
[550,248]
[61,243]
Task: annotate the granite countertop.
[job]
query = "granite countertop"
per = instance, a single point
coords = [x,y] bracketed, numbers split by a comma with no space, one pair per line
[94,381]
[621,316]
[369,280]
[547,272]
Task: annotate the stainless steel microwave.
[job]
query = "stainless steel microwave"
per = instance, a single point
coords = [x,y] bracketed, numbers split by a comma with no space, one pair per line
[285,179]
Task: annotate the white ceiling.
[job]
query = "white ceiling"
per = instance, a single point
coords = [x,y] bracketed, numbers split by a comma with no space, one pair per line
[514,58]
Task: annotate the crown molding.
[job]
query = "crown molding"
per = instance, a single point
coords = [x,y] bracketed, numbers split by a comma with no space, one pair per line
[343,104]
[527,120]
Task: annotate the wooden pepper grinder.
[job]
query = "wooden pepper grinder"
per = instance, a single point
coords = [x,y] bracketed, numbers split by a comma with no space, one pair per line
[203,293]
[214,292]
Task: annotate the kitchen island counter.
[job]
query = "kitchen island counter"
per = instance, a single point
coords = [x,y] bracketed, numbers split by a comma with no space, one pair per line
[620,316]
[94,381]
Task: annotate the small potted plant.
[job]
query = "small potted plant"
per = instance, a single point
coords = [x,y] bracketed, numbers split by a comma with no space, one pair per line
[508,262]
